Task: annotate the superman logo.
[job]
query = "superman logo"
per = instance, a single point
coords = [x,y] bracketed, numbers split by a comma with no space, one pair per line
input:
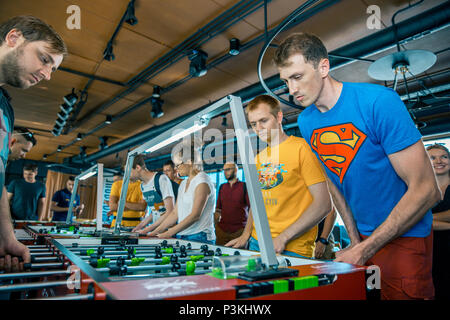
[337,146]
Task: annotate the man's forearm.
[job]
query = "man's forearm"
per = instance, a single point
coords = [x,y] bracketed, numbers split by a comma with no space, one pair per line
[316,211]
[6,227]
[345,212]
[328,224]
[135,206]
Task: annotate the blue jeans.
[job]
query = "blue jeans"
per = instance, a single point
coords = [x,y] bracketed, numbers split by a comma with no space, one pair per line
[198,237]
[254,246]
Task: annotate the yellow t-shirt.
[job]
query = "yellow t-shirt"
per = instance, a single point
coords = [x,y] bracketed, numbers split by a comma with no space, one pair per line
[285,172]
[130,218]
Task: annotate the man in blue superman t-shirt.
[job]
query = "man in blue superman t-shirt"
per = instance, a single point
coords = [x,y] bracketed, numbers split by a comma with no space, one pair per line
[382,181]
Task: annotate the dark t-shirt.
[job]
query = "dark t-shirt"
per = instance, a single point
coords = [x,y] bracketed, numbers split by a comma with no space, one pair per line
[24,202]
[234,203]
[62,199]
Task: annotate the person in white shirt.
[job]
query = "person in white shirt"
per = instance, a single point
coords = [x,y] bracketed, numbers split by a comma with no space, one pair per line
[156,189]
[193,216]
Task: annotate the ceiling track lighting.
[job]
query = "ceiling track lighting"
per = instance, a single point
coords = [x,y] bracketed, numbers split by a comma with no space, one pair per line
[156,92]
[197,67]
[103,142]
[130,17]
[108,119]
[108,54]
[235,46]
[157,111]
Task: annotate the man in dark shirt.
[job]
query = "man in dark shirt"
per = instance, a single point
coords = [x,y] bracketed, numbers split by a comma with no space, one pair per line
[61,202]
[27,195]
[232,206]
[30,50]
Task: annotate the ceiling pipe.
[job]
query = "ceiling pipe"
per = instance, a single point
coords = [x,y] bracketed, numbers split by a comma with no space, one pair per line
[379,41]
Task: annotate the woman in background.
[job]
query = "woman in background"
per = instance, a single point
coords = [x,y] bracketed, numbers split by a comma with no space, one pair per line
[439,156]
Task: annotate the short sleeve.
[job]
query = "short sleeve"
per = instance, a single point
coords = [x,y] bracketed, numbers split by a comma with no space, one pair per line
[394,128]
[166,187]
[44,191]
[115,189]
[311,170]
[11,186]
[56,196]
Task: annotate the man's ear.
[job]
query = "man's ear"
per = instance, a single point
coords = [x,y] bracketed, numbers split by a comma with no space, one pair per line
[13,141]
[280,117]
[14,38]
[324,67]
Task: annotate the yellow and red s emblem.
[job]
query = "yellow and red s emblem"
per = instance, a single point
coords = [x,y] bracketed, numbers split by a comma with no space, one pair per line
[337,146]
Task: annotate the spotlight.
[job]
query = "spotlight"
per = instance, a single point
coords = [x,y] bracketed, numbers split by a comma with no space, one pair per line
[108,119]
[79,136]
[71,98]
[157,108]
[83,151]
[57,130]
[197,68]
[66,108]
[44,157]
[60,122]
[235,45]
[108,54]
[59,149]
[130,18]
[156,92]
[103,144]
[63,116]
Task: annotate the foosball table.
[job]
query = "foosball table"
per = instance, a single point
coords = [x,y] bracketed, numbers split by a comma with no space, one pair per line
[76,263]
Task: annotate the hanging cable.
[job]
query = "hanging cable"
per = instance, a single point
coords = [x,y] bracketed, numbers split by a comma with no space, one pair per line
[288,20]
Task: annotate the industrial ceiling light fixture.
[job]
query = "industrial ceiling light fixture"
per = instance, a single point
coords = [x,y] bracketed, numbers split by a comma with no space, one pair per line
[157,111]
[406,64]
[71,98]
[79,136]
[197,67]
[59,149]
[108,54]
[156,92]
[103,142]
[235,46]
[108,119]
[66,108]
[130,17]
[83,152]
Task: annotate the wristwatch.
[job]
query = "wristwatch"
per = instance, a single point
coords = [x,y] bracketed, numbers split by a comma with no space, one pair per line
[323,240]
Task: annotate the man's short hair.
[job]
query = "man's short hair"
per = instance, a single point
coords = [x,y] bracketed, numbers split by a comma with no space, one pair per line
[308,45]
[169,163]
[34,29]
[139,160]
[71,178]
[26,134]
[273,104]
[30,167]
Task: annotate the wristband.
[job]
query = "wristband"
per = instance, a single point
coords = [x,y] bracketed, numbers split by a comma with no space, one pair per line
[322,240]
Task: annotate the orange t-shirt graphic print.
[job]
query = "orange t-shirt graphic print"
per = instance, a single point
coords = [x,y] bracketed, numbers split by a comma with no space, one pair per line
[337,146]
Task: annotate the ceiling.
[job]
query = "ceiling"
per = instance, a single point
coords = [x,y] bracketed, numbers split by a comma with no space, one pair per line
[151,49]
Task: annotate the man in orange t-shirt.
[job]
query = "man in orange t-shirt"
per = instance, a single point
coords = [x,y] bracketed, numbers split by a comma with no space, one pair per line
[293,185]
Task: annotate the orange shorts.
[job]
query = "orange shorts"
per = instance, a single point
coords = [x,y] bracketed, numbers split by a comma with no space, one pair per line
[405,265]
